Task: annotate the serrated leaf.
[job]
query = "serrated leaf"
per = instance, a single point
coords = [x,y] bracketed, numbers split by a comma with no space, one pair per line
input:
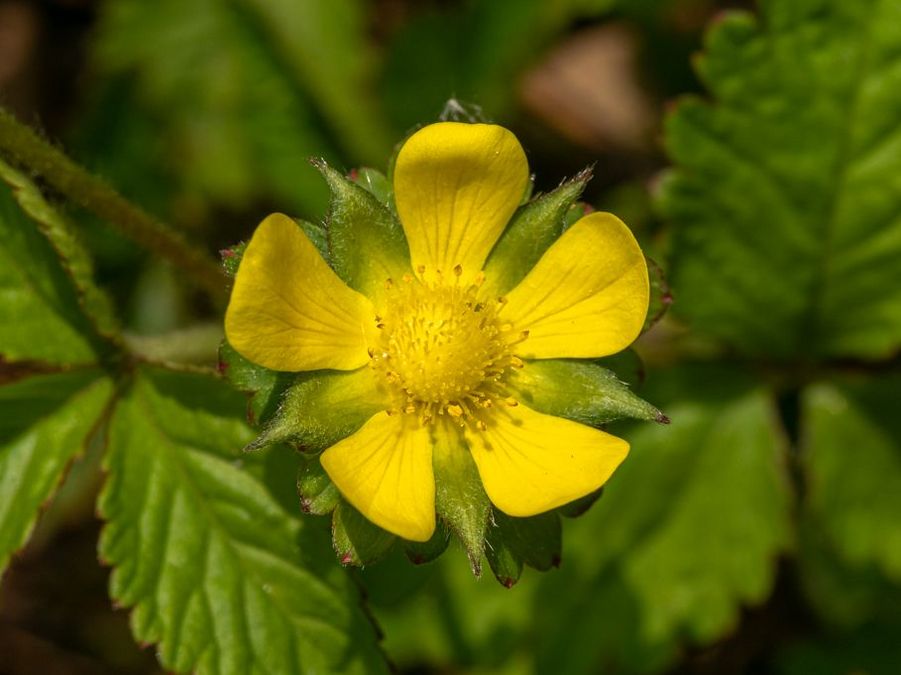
[687,533]
[74,258]
[216,571]
[40,315]
[852,457]
[785,196]
[45,423]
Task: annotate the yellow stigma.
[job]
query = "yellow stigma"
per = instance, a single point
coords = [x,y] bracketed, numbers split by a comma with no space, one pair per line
[442,348]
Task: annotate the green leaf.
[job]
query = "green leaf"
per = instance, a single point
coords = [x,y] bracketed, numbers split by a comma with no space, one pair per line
[843,596]
[873,650]
[45,424]
[41,317]
[216,571]
[581,391]
[74,258]
[784,200]
[533,228]
[687,533]
[852,457]
[233,117]
[325,45]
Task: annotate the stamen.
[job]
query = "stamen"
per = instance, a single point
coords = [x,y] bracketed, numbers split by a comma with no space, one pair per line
[442,350]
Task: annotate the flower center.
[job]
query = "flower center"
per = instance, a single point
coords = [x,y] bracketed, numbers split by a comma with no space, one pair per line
[442,348]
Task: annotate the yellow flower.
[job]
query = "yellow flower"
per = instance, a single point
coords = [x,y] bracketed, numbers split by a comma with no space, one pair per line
[435,340]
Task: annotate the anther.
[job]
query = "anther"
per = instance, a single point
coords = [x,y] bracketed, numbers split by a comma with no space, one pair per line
[510,401]
[420,269]
[454,411]
[458,270]
[516,362]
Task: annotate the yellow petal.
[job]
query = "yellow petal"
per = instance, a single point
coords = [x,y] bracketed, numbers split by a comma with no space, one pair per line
[385,471]
[289,311]
[586,297]
[456,186]
[531,463]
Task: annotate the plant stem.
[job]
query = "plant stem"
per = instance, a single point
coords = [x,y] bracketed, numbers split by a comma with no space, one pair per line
[27,148]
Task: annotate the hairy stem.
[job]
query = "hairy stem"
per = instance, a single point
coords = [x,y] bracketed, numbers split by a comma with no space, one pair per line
[22,145]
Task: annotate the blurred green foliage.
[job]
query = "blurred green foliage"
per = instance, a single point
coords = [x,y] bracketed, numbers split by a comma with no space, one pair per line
[760,532]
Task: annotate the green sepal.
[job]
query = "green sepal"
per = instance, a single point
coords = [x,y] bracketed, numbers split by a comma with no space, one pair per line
[575,213]
[420,553]
[322,407]
[504,563]
[366,242]
[661,296]
[264,387]
[460,499]
[533,228]
[356,540]
[536,541]
[579,506]
[579,390]
[317,234]
[318,494]
[231,258]
[376,183]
